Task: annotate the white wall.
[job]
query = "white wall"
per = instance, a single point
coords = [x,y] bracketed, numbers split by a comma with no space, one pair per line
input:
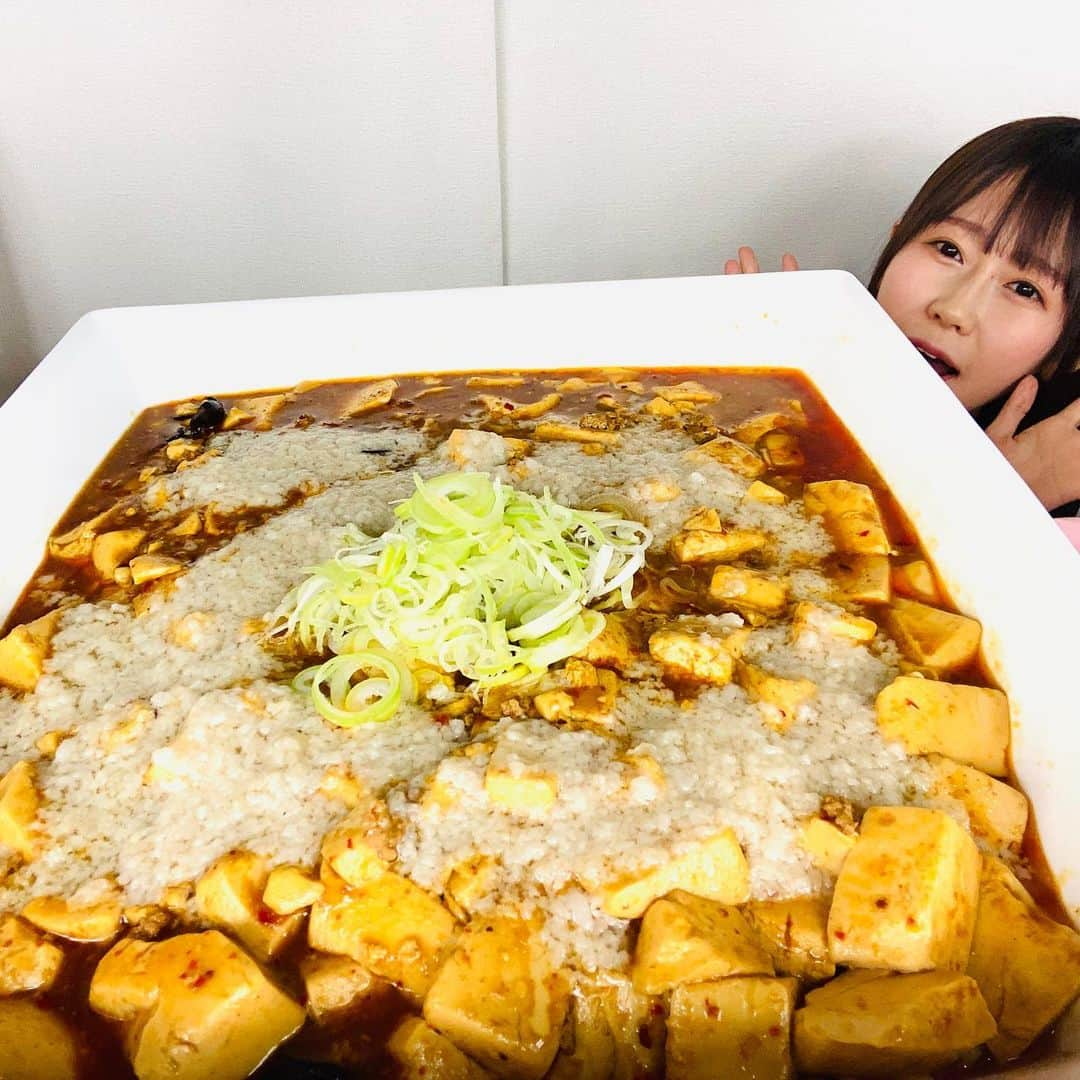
[161,151]
[647,138]
[166,152]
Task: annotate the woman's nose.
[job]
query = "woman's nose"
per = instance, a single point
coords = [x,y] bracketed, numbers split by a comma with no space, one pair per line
[956,306]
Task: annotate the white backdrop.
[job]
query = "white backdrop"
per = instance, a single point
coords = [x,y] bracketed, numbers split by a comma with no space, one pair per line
[157,152]
[648,138]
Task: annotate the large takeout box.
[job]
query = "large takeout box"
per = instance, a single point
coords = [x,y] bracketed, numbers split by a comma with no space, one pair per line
[1002,557]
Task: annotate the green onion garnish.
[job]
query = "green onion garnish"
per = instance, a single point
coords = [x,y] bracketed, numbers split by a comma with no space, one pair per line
[474,577]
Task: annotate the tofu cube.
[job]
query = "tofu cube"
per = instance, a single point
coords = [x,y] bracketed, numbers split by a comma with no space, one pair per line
[636,1022]
[183,449]
[906,896]
[781,450]
[113,549]
[476,450]
[499,998]
[715,545]
[616,646]
[586,1049]
[916,581]
[525,791]
[737,1027]
[191,631]
[879,1024]
[235,417]
[1027,966]
[27,961]
[850,515]
[579,674]
[826,844]
[646,779]
[469,882]
[49,743]
[363,845]
[659,407]
[146,568]
[761,492]
[553,431]
[752,430]
[588,698]
[730,453]
[230,895]
[939,640]
[656,490]
[36,1043]
[19,804]
[865,579]
[692,657]
[131,726]
[612,1033]
[262,409]
[193,1007]
[997,813]
[189,525]
[76,544]
[748,590]
[969,724]
[92,922]
[520,410]
[809,622]
[687,390]
[23,652]
[440,794]
[714,868]
[290,889]
[369,397]
[389,925]
[779,698]
[340,784]
[705,518]
[794,932]
[684,938]
[422,1053]
[335,985]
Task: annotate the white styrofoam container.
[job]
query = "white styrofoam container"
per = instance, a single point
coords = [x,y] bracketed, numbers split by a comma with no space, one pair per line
[1003,559]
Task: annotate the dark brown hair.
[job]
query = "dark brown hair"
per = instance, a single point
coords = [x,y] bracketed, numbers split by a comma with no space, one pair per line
[1040,158]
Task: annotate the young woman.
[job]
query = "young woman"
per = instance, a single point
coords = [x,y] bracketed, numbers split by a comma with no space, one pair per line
[982,274]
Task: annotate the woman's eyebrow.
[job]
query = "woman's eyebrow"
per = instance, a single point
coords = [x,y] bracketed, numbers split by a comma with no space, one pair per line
[1033,262]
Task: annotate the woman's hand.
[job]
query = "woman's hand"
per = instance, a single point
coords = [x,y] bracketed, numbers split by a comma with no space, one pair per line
[747,262]
[1047,455]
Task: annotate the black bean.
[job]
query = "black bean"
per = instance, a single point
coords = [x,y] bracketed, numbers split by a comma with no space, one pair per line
[209,416]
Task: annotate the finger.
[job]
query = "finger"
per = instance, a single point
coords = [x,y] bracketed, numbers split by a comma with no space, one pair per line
[789,262]
[1014,410]
[732,267]
[1071,414]
[748,260]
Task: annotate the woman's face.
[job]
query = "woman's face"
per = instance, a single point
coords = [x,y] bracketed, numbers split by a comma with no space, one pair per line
[980,321]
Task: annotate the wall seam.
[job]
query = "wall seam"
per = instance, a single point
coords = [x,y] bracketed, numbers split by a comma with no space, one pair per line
[499,26]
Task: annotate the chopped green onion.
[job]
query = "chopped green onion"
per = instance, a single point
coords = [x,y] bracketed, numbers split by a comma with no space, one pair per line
[474,577]
[346,703]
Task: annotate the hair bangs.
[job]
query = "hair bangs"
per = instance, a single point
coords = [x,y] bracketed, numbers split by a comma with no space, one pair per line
[1039,228]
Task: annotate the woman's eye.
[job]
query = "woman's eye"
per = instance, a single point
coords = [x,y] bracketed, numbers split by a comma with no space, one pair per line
[947,248]
[1026,290]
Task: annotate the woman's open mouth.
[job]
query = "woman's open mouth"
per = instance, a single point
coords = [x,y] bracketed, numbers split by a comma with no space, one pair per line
[937,360]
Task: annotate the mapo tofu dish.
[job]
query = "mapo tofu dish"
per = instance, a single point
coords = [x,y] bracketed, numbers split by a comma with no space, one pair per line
[599,723]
